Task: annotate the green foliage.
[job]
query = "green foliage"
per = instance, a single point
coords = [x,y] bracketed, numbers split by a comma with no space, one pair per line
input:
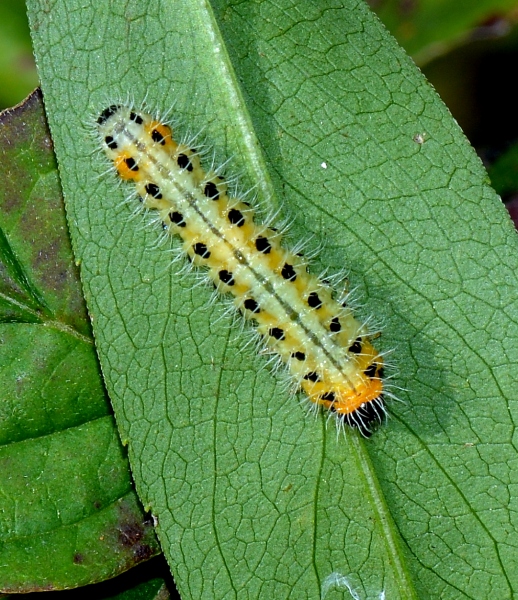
[504,172]
[427,28]
[253,499]
[17,69]
[69,513]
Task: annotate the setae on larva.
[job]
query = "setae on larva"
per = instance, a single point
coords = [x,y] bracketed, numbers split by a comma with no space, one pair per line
[327,351]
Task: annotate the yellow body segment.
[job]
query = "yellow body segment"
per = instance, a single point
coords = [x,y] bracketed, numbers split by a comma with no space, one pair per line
[326,349]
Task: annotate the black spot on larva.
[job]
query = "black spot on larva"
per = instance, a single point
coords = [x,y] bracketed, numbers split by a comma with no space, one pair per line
[370,371]
[251,305]
[236,217]
[381,372]
[153,190]
[299,355]
[356,346]
[110,142]
[107,113]
[314,301]
[136,118]
[226,277]
[263,245]
[277,333]
[131,163]
[288,272]
[329,396]
[312,376]
[184,162]
[211,190]
[201,250]
[335,326]
[157,137]
[177,218]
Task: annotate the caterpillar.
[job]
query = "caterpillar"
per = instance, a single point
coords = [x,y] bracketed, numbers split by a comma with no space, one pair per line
[327,351]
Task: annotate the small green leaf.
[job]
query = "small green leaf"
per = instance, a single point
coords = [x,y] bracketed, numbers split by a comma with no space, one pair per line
[147,581]
[326,115]
[69,515]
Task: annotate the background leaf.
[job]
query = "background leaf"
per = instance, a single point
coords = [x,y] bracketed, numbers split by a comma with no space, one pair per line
[17,69]
[69,515]
[321,108]
[504,172]
[427,29]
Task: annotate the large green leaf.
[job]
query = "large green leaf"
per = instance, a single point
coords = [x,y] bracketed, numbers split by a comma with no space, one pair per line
[68,514]
[324,113]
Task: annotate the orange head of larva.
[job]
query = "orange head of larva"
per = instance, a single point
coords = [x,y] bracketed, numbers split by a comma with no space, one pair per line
[362,405]
[358,399]
[348,400]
